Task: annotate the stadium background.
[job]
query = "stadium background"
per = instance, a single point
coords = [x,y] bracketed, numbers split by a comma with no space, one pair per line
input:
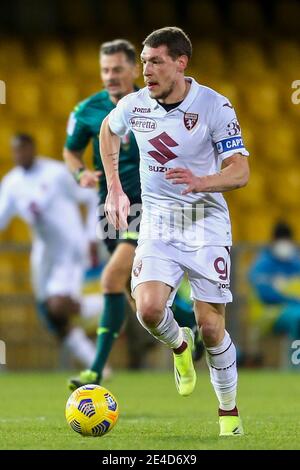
[248,51]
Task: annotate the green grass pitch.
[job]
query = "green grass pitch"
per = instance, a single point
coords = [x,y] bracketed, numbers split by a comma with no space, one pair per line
[152,414]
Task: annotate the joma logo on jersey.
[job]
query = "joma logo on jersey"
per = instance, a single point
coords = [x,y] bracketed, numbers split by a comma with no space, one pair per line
[142,124]
[162,143]
[141,110]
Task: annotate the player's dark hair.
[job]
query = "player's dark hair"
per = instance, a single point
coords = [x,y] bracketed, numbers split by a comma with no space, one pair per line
[119,45]
[22,138]
[176,40]
[282,231]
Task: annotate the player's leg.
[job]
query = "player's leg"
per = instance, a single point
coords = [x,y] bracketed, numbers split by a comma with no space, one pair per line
[183,309]
[56,286]
[61,310]
[155,278]
[221,360]
[209,270]
[114,279]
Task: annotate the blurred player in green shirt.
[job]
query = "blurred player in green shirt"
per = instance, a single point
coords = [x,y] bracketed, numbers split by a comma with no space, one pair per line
[118,73]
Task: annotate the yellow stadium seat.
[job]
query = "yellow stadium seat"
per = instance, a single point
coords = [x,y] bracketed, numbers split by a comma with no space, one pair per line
[7,129]
[7,278]
[86,59]
[287,191]
[24,95]
[256,225]
[19,231]
[235,225]
[229,90]
[248,61]
[286,55]
[277,143]
[208,59]
[61,98]
[44,135]
[253,195]
[248,137]
[53,58]
[12,55]
[262,101]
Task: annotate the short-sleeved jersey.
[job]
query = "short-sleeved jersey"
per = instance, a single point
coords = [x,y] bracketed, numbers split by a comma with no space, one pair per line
[47,198]
[199,134]
[84,125]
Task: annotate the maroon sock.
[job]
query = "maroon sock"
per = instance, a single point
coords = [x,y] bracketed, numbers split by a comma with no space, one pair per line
[233,412]
[181,348]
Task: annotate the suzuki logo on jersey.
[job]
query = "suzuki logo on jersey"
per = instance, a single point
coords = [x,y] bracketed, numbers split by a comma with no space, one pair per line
[142,124]
[190,120]
[229,144]
[162,143]
[141,110]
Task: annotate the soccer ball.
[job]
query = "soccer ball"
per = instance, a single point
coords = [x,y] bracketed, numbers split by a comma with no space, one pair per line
[92,410]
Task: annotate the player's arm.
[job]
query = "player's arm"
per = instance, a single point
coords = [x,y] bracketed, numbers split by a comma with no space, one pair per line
[226,137]
[233,175]
[117,204]
[7,206]
[74,160]
[78,137]
[89,198]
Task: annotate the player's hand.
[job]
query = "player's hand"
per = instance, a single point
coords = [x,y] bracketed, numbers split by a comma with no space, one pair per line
[89,179]
[185,176]
[117,207]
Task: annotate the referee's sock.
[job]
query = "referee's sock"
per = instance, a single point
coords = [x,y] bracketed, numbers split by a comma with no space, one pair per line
[110,325]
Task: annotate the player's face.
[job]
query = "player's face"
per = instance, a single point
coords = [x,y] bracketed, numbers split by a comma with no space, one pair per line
[161,72]
[23,153]
[117,74]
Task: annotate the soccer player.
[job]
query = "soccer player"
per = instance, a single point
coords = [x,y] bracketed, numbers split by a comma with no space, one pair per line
[118,73]
[42,192]
[191,151]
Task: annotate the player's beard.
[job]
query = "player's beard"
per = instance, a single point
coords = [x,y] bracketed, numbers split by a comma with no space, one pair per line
[164,94]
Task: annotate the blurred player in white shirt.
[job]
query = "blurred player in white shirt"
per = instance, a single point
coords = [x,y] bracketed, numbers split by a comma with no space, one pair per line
[191,151]
[42,192]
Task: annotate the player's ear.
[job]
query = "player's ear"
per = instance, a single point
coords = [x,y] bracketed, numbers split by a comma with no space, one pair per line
[136,71]
[182,62]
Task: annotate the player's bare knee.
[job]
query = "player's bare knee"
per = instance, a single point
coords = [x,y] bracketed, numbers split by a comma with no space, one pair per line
[211,334]
[62,305]
[114,279]
[56,305]
[150,311]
